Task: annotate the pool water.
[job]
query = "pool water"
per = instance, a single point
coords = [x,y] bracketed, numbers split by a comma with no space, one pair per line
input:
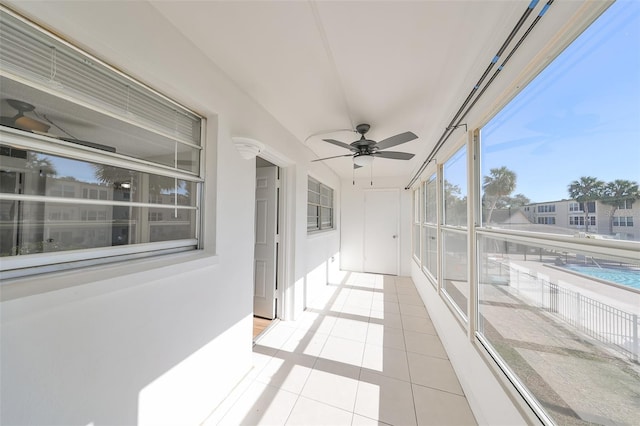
[626,277]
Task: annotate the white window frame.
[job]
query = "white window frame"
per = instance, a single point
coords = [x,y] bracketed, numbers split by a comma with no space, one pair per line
[17,266]
[319,206]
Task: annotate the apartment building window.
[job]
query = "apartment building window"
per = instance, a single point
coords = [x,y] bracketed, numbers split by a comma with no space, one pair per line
[536,283]
[623,221]
[83,149]
[547,220]
[625,205]
[319,206]
[547,208]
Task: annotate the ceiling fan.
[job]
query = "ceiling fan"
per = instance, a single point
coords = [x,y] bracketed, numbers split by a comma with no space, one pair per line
[365,150]
[22,122]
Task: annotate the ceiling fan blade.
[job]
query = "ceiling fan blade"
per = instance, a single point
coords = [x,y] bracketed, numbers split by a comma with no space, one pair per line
[396,140]
[394,155]
[340,144]
[329,158]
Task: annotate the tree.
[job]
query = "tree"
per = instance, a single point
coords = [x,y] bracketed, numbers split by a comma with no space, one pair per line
[618,192]
[500,183]
[583,190]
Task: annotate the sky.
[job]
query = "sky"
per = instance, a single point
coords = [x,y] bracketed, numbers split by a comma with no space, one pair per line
[579,117]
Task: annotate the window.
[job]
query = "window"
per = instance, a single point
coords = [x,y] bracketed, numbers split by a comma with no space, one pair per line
[83,150]
[319,206]
[547,220]
[547,208]
[623,221]
[454,236]
[625,205]
[559,312]
[430,228]
[416,224]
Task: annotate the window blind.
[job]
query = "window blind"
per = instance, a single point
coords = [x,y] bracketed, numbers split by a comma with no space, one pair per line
[30,54]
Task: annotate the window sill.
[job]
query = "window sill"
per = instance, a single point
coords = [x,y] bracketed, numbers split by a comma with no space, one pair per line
[119,275]
[322,233]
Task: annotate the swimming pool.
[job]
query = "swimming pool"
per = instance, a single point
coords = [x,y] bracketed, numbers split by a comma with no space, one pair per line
[626,277]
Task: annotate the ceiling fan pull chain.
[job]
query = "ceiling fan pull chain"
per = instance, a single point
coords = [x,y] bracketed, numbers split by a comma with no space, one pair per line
[371,169]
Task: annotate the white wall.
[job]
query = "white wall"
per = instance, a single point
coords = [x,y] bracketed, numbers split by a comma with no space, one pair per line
[156,341]
[352,229]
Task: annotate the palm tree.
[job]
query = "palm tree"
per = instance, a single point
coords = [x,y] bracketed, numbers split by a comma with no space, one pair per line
[500,183]
[587,188]
[617,192]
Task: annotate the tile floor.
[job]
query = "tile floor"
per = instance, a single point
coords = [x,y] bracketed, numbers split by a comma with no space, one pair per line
[364,353]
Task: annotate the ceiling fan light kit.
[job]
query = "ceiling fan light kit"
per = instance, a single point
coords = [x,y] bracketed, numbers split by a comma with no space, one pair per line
[363,160]
[365,150]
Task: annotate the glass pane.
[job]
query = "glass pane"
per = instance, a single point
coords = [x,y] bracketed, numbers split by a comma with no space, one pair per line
[40,227]
[34,173]
[430,250]
[416,241]
[454,275]
[566,324]
[327,218]
[431,204]
[314,186]
[61,119]
[560,144]
[313,197]
[455,189]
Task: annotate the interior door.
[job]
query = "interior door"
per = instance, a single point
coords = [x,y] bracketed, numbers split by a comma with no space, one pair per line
[381,242]
[264,297]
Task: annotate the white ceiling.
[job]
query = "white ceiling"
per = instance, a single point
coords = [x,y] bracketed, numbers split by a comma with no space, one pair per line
[399,66]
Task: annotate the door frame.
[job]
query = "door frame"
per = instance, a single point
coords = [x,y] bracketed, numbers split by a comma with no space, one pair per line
[286,226]
[396,191]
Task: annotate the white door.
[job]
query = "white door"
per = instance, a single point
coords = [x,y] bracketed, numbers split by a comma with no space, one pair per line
[381,231]
[264,297]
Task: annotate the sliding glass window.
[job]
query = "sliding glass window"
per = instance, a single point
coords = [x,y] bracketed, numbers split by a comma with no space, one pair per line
[96,166]
[430,228]
[558,258]
[455,283]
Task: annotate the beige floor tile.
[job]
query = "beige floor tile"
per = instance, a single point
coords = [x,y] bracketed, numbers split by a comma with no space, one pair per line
[391,307]
[276,336]
[386,361]
[287,371]
[343,350]
[308,342]
[385,399]
[333,389]
[359,420]
[437,408]
[433,372]
[417,324]
[351,329]
[425,344]
[260,357]
[410,299]
[382,335]
[413,310]
[389,319]
[307,412]
[261,404]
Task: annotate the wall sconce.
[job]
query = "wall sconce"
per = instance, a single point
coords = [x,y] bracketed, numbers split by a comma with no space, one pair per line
[248,148]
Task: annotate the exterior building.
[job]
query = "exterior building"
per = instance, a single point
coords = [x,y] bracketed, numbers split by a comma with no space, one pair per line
[619,222]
